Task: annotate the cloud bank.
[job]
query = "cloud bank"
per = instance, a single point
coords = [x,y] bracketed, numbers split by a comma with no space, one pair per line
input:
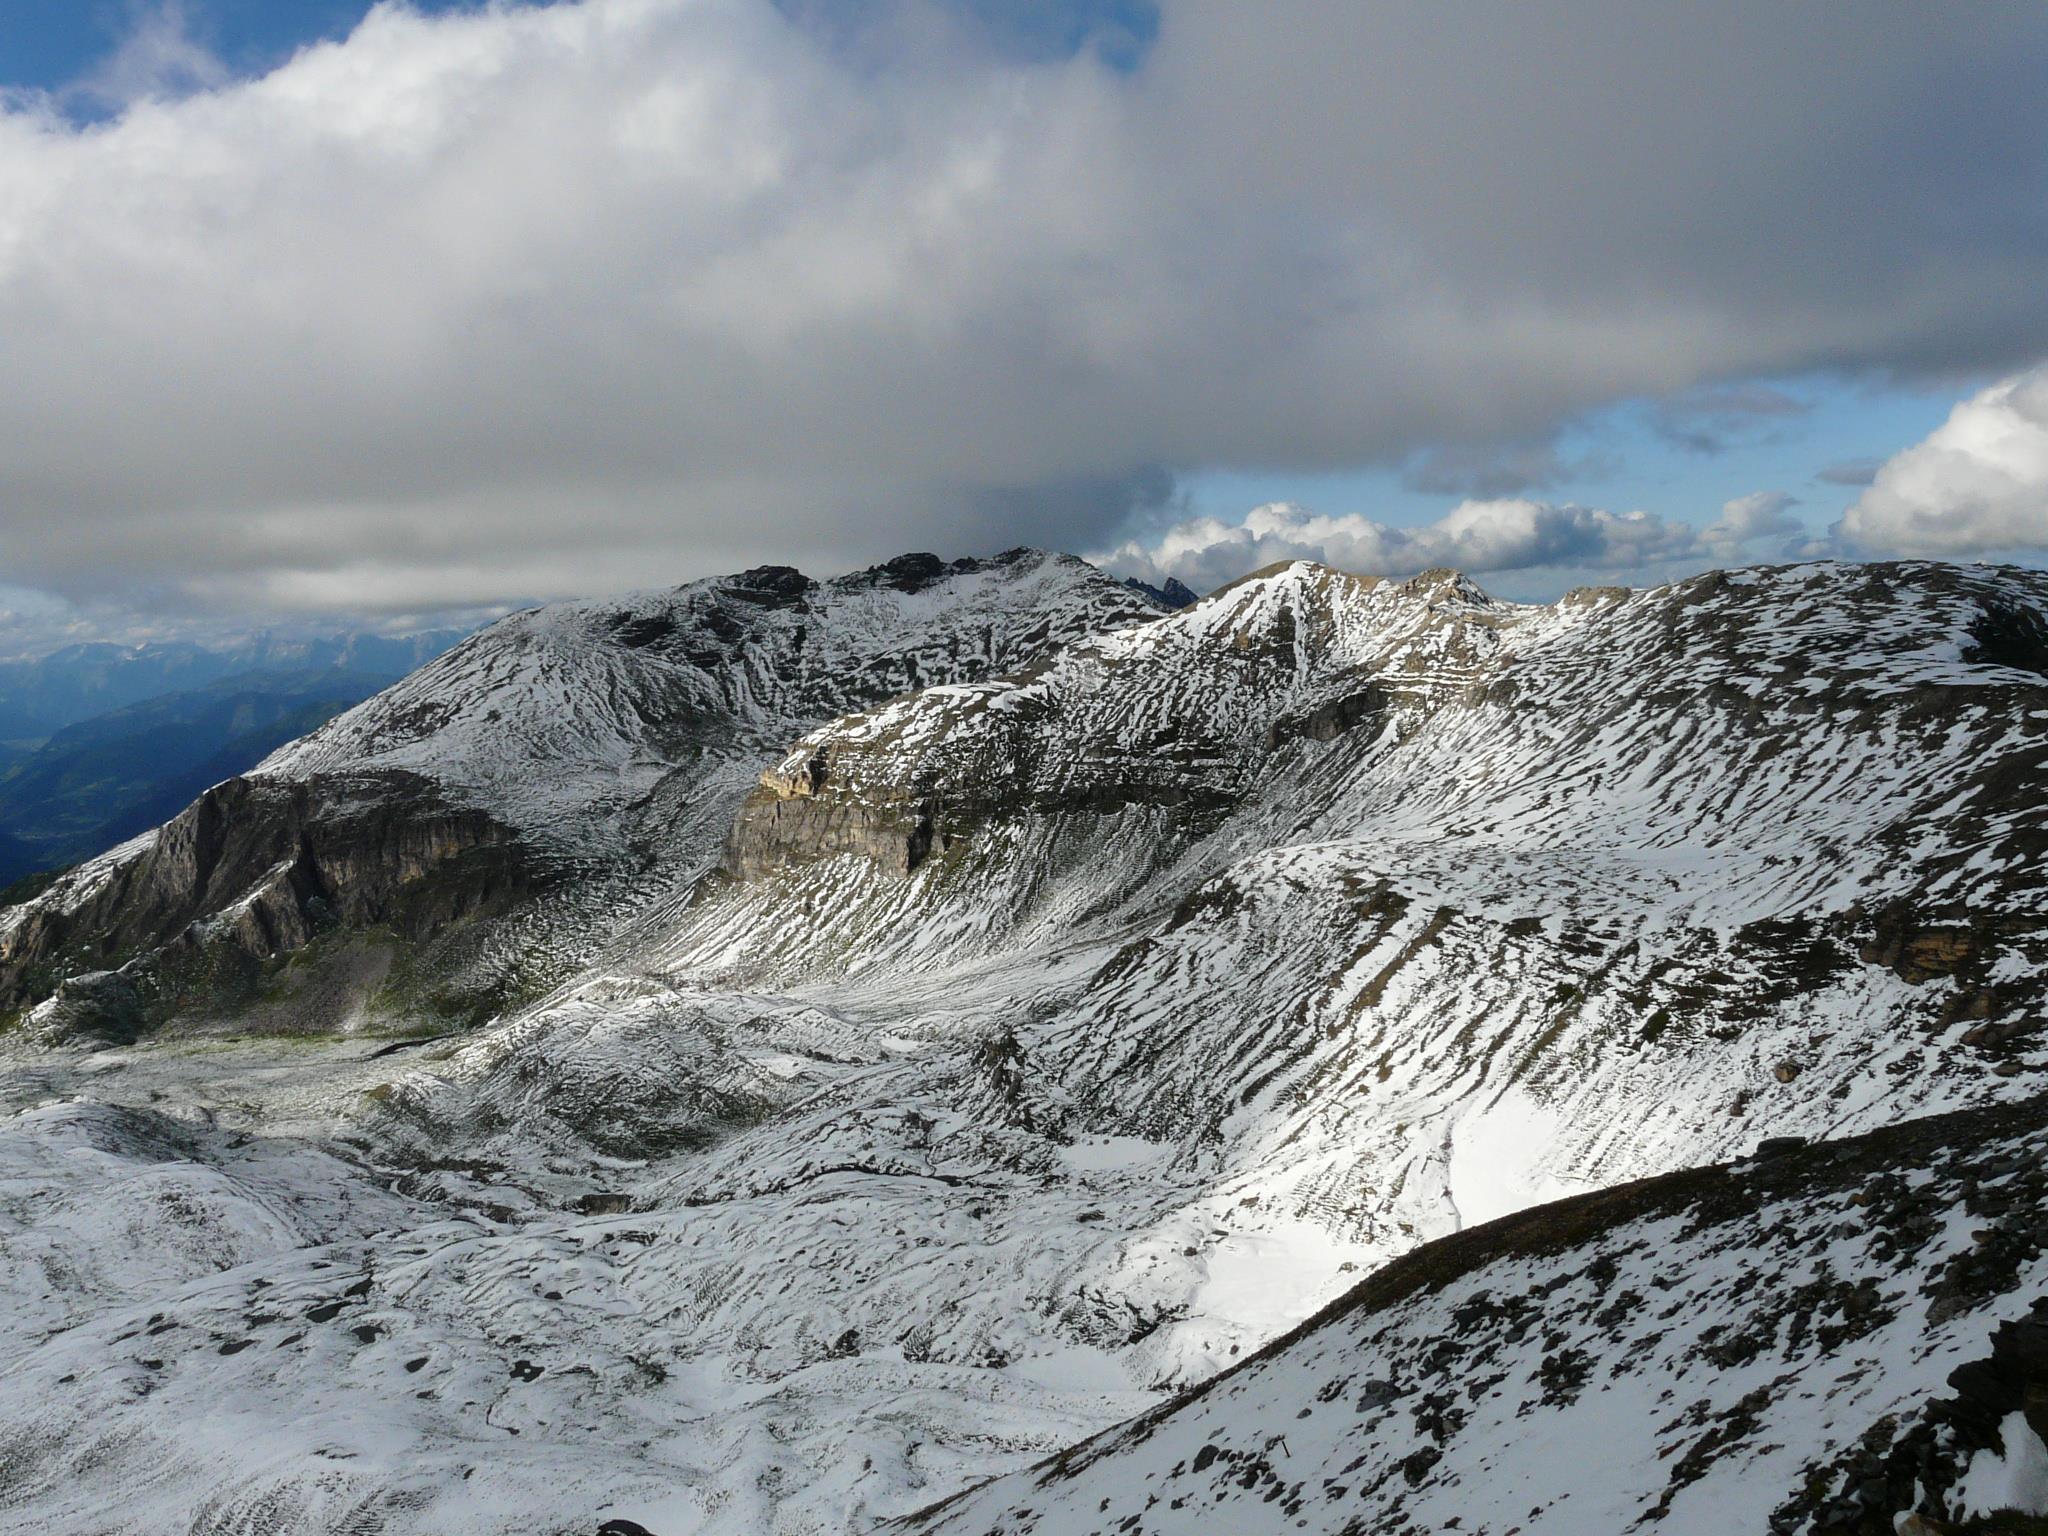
[1976,486]
[1478,537]
[548,298]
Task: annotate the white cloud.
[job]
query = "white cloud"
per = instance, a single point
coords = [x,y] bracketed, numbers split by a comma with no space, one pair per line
[532,299]
[159,58]
[1481,537]
[1747,519]
[1976,485]
[1475,536]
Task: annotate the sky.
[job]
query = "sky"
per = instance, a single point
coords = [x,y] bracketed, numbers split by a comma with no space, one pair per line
[316,310]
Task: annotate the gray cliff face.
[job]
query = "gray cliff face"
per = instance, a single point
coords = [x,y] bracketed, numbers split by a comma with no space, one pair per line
[789,820]
[255,869]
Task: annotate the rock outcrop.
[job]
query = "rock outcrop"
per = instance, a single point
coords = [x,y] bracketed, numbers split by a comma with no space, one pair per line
[257,868]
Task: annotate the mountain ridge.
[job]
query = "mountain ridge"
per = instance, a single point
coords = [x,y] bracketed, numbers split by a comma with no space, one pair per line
[907,1093]
[557,751]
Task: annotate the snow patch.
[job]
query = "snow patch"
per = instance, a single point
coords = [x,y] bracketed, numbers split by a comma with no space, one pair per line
[1495,1153]
[2017,1480]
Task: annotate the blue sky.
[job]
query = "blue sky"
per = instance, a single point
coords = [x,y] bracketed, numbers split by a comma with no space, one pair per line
[1631,457]
[490,304]
[48,44]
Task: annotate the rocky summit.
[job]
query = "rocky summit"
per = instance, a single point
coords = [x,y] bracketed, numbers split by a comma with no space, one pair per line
[980,1046]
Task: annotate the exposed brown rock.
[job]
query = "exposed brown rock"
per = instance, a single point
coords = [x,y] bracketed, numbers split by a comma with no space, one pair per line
[784,822]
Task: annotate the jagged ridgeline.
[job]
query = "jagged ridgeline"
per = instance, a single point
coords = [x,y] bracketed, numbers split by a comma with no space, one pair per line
[463,839]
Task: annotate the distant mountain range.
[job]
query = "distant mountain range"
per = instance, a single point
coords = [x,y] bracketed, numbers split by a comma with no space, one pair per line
[76,683]
[100,781]
[100,742]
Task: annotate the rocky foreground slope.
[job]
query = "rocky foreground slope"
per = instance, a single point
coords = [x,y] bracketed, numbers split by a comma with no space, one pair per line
[1011,1055]
[1831,1339]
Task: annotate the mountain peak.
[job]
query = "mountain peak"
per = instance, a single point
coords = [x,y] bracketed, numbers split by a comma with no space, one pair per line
[1172,593]
[782,581]
[920,570]
[1442,584]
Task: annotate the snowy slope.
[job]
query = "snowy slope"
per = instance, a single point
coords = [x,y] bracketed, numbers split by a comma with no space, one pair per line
[1411,907]
[1828,1340]
[1043,1042]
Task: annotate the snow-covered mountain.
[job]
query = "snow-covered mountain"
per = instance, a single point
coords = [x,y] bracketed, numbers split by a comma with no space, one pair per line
[464,836]
[883,1112]
[1445,905]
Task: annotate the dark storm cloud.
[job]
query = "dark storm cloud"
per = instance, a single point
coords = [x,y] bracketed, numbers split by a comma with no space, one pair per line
[1711,421]
[1480,470]
[537,299]
[1850,472]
